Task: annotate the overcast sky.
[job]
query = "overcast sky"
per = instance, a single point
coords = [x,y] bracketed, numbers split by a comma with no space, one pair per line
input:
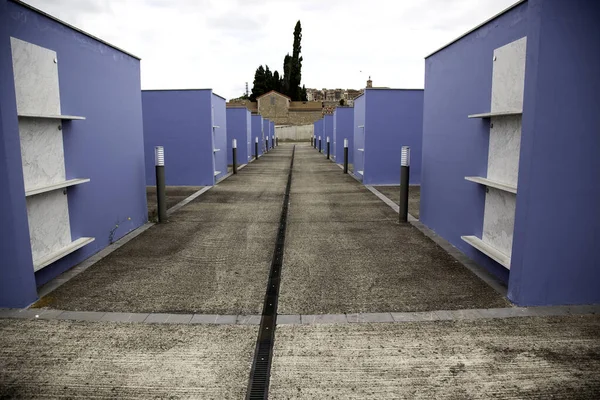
[219,43]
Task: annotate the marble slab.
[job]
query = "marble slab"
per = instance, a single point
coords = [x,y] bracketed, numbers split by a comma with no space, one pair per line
[35,72]
[499,219]
[49,226]
[504,150]
[508,76]
[42,152]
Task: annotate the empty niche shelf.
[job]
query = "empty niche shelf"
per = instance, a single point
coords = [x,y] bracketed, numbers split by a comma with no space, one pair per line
[57,255]
[361,173]
[64,117]
[496,114]
[215,150]
[490,183]
[360,149]
[217,173]
[488,250]
[55,186]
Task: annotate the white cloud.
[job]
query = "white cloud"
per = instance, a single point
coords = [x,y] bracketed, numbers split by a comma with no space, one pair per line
[219,44]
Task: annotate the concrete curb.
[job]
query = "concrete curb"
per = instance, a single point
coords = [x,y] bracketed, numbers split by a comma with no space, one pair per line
[297,319]
[147,318]
[439,315]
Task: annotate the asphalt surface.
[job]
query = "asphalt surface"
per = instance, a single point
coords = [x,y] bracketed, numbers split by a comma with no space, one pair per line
[345,252]
[414,197]
[67,359]
[175,194]
[515,358]
[212,257]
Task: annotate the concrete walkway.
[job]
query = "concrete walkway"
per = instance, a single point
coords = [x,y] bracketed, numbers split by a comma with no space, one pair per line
[346,253]
[212,257]
[368,308]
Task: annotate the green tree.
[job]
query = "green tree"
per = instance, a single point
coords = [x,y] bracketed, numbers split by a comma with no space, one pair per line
[259,86]
[276,81]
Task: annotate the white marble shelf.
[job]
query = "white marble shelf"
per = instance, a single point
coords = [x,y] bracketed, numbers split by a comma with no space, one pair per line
[361,173]
[360,149]
[57,255]
[496,114]
[216,126]
[491,183]
[217,173]
[215,150]
[68,117]
[488,250]
[55,186]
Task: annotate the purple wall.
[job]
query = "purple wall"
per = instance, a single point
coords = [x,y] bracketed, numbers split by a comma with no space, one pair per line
[328,131]
[181,121]
[239,127]
[102,84]
[17,282]
[458,82]
[557,227]
[318,128]
[265,133]
[271,130]
[394,118]
[219,111]
[343,121]
[257,126]
[359,135]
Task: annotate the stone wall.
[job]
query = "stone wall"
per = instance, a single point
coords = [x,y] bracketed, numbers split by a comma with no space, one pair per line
[304,117]
[274,107]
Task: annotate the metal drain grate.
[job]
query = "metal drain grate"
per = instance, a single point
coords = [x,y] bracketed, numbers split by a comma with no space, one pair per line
[258,386]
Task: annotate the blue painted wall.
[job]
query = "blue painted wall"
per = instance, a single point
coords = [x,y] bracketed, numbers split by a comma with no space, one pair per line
[394,118]
[220,135]
[458,81]
[327,132]
[343,121]
[265,134]
[181,122]
[359,135]
[17,281]
[239,127]
[557,228]
[318,129]
[102,84]
[271,130]
[257,127]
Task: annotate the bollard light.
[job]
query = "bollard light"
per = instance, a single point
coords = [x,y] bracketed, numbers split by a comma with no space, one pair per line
[159,156]
[256,139]
[404,183]
[346,143]
[234,144]
[327,139]
[161,193]
[405,159]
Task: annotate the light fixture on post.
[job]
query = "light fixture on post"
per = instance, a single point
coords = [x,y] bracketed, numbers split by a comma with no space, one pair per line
[161,195]
[404,179]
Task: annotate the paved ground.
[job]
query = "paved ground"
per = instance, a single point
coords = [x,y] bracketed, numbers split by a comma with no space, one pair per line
[175,194]
[414,197]
[66,359]
[516,358]
[212,257]
[345,253]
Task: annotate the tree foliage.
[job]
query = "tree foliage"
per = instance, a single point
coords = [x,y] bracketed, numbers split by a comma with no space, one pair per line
[289,83]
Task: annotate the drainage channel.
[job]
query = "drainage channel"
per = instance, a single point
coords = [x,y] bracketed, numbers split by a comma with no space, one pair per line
[258,386]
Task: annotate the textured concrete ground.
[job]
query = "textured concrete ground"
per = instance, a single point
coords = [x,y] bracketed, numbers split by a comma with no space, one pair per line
[345,252]
[414,197]
[65,359]
[175,194]
[516,358]
[212,257]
